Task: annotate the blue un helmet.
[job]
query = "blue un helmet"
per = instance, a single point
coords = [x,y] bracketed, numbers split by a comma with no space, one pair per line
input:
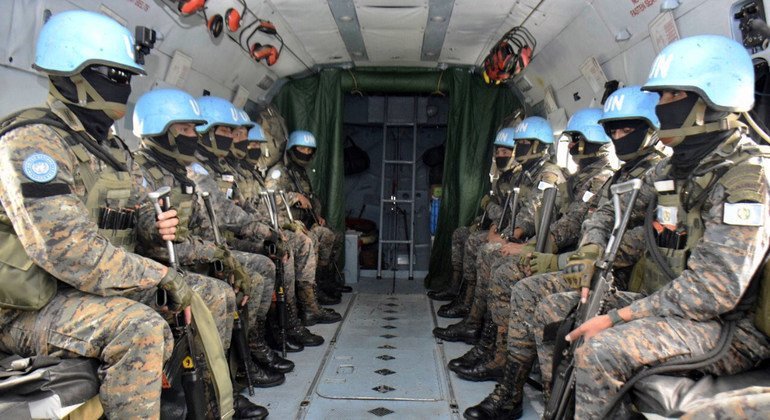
[301,138]
[256,134]
[298,139]
[586,123]
[157,109]
[218,111]
[505,138]
[532,135]
[626,109]
[73,40]
[716,68]
[245,119]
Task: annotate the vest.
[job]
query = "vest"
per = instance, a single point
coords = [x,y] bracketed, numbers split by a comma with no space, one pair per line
[24,285]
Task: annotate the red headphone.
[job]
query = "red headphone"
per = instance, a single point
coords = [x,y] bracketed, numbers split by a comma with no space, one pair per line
[215,25]
[189,7]
[232,19]
[266,52]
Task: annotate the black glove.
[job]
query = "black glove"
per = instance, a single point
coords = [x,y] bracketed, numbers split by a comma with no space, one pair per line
[179,293]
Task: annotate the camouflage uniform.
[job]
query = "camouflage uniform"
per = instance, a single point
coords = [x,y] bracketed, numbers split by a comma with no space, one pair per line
[748,403]
[100,308]
[195,251]
[579,198]
[529,197]
[294,181]
[680,319]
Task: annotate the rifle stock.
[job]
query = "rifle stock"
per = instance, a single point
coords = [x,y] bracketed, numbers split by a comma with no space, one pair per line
[280,292]
[549,201]
[560,405]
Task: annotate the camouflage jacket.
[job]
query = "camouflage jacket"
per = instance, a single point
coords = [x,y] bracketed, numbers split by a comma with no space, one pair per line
[532,194]
[292,179]
[579,198]
[51,219]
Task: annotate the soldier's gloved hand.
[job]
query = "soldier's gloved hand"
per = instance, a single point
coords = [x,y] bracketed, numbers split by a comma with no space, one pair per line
[179,293]
[237,275]
[580,267]
[543,263]
[485,201]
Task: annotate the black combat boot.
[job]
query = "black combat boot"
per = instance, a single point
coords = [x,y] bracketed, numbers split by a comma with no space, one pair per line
[311,312]
[247,410]
[467,330]
[325,299]
[451,291]
[460,306]
[505,402]
[260,377]
[264,356]
[297,332]
[273,335]
[490,368]
[482,350]
[326,282]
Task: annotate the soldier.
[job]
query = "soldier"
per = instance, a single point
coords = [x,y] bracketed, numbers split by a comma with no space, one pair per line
[531,151]
[70,196]
[491,205]
[301,266]
[705,240]
[291,176]
[165,120]
[213,148]
[578,198]
[631,126]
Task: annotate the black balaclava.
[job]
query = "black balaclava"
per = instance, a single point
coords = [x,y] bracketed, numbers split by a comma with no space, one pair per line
[96,121]
[503,163]
[221,145]
[632,144]
[301,159]
[239,150]
[253,155]
[177,146]
[689,151]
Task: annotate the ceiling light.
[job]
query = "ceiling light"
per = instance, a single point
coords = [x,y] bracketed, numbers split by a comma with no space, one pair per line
[430,53]
[669,5]
[395,57]
[437,19]
[357,53]
[346,18]
[622,35]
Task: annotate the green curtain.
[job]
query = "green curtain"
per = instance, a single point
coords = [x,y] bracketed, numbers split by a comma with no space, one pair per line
[476,110]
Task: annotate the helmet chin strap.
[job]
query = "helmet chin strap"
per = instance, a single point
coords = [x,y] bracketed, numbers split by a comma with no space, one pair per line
[649,142]
[532,153]
[173,153]
[85,90]
[694,124]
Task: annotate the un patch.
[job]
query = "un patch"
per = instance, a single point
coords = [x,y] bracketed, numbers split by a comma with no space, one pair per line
[198,169]
[40,168]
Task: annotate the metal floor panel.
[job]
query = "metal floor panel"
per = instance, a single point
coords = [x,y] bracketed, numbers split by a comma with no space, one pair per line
[380,361]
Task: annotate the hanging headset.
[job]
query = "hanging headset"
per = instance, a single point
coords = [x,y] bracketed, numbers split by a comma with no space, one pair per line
[232,19]
[190,7]
[216,24]
[265,52]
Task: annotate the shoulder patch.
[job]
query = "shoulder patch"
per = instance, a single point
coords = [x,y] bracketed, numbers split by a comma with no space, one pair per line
[744,214]
[198,169]
[744,182]
[40,168]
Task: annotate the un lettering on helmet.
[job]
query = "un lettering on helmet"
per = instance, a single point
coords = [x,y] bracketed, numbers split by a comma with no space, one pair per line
[661,65]
[614,103]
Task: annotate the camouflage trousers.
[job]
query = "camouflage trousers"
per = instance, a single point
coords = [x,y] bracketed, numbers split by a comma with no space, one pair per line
[748,403]
[304,258]
[261,295]
[327,243]
[126,334]
[488,259]
[470,254]
[608,360]
[459,237]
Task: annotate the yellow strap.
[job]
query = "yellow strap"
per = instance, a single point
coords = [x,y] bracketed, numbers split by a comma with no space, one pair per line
[215,355]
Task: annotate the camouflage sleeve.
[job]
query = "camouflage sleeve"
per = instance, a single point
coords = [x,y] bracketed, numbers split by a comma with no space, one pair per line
[566,230]
[54,226]
[597,229]
[631,248]
[281,183]
[145,213]
[494,211]
[724,261]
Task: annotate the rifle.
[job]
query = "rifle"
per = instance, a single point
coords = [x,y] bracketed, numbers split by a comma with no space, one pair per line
[561,403]
[268,198]
[514,192]
[549,200]
[240,336]
[482,222]
[183,356]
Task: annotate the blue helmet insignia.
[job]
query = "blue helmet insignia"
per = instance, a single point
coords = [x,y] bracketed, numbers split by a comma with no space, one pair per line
[157,109]
[505,138]
[301,138]
[73,40]
[40,168]
[586,122]
[631,103]
[717,68]
[534,128]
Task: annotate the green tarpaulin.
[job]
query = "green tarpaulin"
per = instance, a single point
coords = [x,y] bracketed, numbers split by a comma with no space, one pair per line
[476,111]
